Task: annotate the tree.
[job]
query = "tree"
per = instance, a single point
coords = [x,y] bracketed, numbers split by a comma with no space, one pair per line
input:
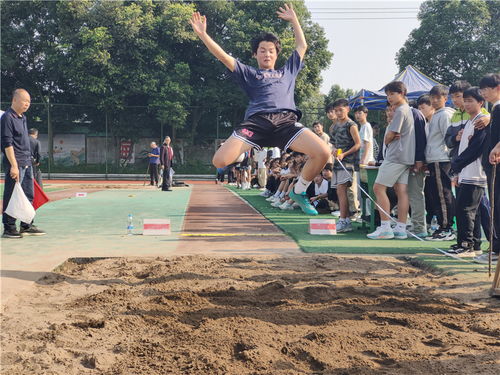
[337,92]
[456,40]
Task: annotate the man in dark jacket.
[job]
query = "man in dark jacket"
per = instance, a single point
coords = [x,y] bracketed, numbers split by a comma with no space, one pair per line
[35,155]
[18,167]
[166,157]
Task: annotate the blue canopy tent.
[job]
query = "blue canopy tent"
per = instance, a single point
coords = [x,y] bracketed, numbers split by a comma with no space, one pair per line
[416,82]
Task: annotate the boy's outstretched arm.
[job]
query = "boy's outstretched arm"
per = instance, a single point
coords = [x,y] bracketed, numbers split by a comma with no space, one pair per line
[199,24]
[288,14]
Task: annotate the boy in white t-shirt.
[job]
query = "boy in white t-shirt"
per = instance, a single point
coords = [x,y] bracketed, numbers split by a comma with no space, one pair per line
[366,135]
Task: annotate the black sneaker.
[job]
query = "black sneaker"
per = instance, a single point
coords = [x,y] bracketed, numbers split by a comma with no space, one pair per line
[443,235]
[462,251]
[11,234]
[32,231]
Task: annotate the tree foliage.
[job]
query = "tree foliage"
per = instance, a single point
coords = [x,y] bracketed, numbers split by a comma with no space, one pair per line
[456,40]
[114,55]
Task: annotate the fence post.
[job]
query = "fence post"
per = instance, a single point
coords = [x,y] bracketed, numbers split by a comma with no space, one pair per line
[106,146]
[50,136]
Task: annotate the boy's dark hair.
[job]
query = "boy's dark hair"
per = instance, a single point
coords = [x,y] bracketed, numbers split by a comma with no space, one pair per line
[361,108]
[439,90]
[33,131]
[413,103]
[424,99]
[340,103]
[474,92]
[265,37]
[459,86]
[490,80]
[396,86]
[328,167]
[317,123]
[329,107]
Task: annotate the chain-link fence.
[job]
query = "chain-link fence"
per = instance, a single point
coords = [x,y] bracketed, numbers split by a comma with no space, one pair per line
[85,139]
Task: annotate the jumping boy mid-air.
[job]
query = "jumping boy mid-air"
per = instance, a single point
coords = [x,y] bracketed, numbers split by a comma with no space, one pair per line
[271,117]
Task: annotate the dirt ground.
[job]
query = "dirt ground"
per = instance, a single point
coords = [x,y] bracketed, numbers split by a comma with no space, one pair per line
[316,314]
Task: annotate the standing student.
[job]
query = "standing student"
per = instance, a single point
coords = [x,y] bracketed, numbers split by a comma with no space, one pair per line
[416,177]
[438,163]
[471,177]
[399,143]
[453,137]
[35,155]
[490,90]
[318,130]
[344,137]
[18,166]
[166,160]
[271,118]
[366,134]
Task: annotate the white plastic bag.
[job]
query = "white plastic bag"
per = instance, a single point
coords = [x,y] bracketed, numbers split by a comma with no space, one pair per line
[19,206]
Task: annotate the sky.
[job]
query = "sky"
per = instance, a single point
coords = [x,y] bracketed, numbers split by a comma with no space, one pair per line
[364,36]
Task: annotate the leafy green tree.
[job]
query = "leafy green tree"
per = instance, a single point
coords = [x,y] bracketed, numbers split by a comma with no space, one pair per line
[455,40]
[337,92]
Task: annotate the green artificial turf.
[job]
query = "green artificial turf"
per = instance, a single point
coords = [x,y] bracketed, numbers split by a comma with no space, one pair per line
[296,225]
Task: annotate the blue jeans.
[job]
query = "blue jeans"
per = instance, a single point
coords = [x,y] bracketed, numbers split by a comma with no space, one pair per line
[26,181]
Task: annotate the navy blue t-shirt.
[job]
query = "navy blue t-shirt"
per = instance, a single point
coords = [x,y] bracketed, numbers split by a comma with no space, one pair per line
[14,130]
[269,90]
[154,159]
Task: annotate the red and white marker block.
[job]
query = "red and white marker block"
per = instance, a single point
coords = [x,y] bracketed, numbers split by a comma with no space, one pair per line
[322,226]
[156,227]
[81,194]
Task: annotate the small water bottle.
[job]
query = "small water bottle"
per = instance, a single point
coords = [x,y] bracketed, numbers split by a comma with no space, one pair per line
[130,225]
[434,223]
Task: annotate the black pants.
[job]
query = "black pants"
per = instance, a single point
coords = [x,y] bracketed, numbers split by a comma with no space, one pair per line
[272,184]
[37,173]
[440,195]
[494,192]
[468,200]
[154,173]
[26,180]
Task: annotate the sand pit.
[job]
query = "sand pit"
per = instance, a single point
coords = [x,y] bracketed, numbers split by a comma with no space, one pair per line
[261,315]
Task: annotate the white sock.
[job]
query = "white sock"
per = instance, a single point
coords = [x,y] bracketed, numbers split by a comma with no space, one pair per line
[385,224]
[277,194]
[282,194]
[401,227]
[301,185]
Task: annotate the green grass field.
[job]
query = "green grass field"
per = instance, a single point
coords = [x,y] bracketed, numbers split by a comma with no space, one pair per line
[296,224]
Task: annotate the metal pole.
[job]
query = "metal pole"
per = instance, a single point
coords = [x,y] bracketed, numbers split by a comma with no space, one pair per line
[217,121]
[106,146]
[50,136]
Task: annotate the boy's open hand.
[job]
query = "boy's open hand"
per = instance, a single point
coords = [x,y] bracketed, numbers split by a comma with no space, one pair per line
[199,23]
[287,13]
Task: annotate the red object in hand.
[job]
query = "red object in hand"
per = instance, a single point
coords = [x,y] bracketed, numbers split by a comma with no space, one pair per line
[40,197]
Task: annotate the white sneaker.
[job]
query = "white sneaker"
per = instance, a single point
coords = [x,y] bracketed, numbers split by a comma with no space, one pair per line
[344,226]
[295,205]
[276,203]
[336,213]
[271,198]
[484,259]
[382,233]
[286,206]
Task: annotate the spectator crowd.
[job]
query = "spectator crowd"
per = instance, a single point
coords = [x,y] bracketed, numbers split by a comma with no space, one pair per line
[435,164]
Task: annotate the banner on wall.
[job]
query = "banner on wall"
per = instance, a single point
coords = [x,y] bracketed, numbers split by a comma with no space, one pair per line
[127,154]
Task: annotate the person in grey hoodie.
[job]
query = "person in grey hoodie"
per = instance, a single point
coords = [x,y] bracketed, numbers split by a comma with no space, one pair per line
[438,164]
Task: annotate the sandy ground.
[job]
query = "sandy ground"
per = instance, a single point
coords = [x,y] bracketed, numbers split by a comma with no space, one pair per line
[315,314]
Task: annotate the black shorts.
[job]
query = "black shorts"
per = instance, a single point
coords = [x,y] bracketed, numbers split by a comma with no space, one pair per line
[277,129]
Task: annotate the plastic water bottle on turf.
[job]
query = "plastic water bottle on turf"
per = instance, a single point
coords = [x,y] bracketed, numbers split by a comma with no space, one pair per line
[434,224]
[130,225]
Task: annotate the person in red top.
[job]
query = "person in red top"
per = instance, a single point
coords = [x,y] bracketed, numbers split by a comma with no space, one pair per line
[166,157]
